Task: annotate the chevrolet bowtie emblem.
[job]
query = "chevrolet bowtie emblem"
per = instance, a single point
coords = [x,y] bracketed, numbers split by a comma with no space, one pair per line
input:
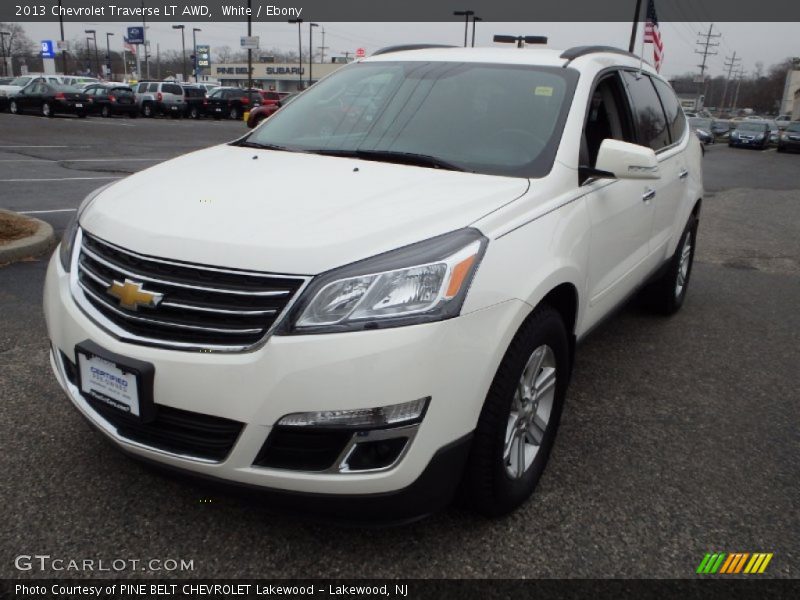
[131,295]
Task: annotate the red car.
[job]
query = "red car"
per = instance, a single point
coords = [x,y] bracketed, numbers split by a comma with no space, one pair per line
[269,108]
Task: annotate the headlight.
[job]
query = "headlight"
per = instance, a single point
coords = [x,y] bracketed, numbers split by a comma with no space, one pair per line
[68,239]
[423,282]
[703,132]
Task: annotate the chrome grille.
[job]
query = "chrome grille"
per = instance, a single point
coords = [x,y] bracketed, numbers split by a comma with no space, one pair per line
[203,307]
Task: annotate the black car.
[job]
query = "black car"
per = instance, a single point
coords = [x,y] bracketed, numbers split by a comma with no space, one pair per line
[111,99]
[231,102]
[702,129]
[194,98]
[750,134]
[49,99]
[790,137]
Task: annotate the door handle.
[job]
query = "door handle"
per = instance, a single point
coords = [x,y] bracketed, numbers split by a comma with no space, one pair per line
[683,174]
[649,194]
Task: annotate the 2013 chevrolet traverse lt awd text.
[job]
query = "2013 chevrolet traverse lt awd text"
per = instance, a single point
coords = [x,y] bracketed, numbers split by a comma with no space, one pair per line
[370,303]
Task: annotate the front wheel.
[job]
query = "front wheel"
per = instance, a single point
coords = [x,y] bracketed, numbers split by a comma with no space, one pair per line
[666,294]
[14,108]
[147,110]
[194,113]
[105,112]
[520,416]
[47,111]
[234,114]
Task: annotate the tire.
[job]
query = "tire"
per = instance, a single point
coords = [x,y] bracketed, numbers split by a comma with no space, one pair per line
[105,112]
[47,110]
[234,113]
[194,113]
[147,110]
[14,108]
[666,294]
[493,483]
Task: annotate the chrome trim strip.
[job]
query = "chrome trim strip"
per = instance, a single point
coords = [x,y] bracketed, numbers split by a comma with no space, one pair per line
[164,261]
[107,428]
[141,277]
[130,317]
[126,336]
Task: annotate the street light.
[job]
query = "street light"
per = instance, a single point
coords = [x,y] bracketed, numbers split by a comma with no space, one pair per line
[299,51]
[3,34]
[466,14]
[108,54]
[96,55]
[183,48]
[474,19]
[310,49]
[194,46]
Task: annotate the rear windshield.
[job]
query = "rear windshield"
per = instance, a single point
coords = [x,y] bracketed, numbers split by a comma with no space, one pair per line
[65,88]
[194,92]
[171,88]
[122,91]
[494,119]
[752,126]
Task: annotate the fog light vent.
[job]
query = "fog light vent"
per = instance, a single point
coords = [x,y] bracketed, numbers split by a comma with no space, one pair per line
[377,454]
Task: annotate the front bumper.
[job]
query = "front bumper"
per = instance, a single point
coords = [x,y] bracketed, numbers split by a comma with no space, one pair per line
[452,362]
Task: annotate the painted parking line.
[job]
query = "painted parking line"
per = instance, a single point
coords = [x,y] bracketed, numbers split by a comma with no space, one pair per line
[42,212]
[1,147]
[57,179]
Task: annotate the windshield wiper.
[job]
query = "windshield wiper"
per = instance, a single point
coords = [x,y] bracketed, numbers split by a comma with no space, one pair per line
[405,158]
[249,144]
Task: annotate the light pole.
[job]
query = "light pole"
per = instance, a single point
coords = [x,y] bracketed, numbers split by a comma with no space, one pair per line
[183,48]
[249,49]
[466,14]
[96,55]
[310,49]
[108,55]
[474,19]
[299,52]
[3,34]
[63,49]
[194,47]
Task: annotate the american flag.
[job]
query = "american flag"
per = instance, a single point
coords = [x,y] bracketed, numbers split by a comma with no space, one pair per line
[652,35]
[129,47]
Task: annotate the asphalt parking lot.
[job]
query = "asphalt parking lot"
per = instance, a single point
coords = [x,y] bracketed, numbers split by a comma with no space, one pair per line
[680,436]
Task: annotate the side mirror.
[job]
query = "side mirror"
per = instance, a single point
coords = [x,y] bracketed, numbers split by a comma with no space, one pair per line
[627,161]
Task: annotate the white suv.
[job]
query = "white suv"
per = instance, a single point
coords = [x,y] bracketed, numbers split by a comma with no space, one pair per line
[372,301]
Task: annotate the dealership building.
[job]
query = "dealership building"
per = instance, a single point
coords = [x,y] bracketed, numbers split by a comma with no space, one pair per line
[280,77]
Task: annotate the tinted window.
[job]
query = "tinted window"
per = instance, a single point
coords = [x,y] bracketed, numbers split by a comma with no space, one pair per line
[647,110]
[672,108]
[194,92]
[215,94]
[153,87]
[142,88]
[171,88]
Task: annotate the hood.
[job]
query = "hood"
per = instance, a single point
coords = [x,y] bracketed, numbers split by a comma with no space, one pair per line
[10,90]
[287,212]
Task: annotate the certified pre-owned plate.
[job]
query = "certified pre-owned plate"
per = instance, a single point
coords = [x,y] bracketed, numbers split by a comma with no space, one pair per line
[121,383]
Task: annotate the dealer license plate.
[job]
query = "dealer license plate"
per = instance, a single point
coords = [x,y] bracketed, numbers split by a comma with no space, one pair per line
[109,383]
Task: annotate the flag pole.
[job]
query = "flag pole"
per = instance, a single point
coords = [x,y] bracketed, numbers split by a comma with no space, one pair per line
[635,26]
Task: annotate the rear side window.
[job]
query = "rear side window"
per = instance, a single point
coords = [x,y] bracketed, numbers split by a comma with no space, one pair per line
[194,92]
[153,87]
[142,88]
[171,88]
[651,124]
[672,108]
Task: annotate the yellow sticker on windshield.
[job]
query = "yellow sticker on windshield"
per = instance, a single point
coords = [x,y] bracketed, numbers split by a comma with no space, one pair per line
[542,90]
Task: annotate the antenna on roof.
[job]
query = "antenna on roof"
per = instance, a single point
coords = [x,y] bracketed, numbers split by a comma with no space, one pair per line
[520,40]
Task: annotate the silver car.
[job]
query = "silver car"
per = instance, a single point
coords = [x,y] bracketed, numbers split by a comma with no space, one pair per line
[160,98]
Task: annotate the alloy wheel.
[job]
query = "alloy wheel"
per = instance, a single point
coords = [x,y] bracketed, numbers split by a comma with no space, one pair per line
[683,265]
[530,412]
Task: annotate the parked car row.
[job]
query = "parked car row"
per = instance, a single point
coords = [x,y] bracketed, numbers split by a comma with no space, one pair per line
[51,95]
[747,132]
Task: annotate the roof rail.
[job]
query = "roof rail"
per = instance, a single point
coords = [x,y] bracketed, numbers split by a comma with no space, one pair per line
[402,47]
[579,51]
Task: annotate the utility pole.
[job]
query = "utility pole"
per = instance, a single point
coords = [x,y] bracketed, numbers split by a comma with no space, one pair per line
[730,63]
[323,47]
[738,83]
[144,43]
[310,50]
[195,30]
[183,49]
[108,56]
[63,49]
[299,52]
[249,50]
[706,53]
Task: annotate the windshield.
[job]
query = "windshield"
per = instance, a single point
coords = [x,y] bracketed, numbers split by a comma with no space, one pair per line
[793,127]
[752,126]
[483,118]
[21,81]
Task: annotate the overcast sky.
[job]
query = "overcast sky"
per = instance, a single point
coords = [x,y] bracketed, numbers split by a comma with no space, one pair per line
[765,42]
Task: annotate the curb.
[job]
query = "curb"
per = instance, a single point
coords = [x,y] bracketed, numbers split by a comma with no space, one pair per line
[33,245]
